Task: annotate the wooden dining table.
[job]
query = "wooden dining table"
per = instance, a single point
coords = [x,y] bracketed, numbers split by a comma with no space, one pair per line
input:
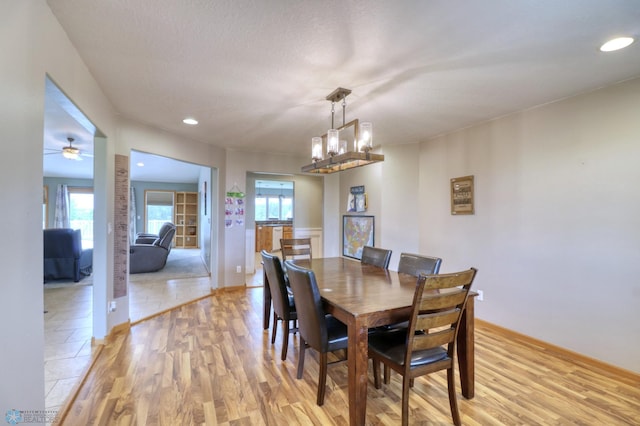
[365,296]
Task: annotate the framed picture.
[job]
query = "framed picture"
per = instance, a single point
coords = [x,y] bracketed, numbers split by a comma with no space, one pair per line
[357,232]
[462,195]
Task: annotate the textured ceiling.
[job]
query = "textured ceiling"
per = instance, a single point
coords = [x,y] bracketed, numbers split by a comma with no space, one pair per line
[256,73]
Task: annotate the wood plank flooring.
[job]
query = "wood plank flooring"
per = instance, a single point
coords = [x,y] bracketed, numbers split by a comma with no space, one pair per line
[211,363]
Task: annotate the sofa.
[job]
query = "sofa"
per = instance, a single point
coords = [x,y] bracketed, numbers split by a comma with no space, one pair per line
[151,257]
[64,257]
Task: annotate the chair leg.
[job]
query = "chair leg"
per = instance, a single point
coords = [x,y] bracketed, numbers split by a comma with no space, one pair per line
[387,374]
[303,347]
[322,379]
[376,373]
[453,401]
[405,398]
[275,328]
[285,339]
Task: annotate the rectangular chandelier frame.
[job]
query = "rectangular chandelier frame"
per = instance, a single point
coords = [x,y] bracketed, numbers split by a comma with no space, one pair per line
[346,161]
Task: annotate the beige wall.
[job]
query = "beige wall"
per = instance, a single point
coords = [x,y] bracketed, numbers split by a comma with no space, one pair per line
[33,45]
[556,233]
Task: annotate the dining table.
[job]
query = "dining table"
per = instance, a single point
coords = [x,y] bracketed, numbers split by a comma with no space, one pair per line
[365,296]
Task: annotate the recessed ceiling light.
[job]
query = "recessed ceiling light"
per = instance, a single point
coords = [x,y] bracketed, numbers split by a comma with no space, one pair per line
[616,44]
[140,164]
[190,121]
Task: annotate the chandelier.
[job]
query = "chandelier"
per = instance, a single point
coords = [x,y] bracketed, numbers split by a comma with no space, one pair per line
[347,146]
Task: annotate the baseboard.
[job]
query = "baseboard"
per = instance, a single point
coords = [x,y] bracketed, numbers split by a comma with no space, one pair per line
[561,352]
[62,414]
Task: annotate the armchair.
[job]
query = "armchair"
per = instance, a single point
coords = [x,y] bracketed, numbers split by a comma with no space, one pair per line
[151,257]
[145,238]
[63,255]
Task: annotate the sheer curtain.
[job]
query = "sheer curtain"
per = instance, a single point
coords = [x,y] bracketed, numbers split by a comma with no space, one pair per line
[132,215]
[61,216]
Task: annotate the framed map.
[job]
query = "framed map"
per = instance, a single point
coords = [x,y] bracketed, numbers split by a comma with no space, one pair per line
[357,232]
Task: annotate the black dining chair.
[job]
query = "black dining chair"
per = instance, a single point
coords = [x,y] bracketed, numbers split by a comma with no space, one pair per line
[317,330]
[376,256]
[438,304]
[284,308]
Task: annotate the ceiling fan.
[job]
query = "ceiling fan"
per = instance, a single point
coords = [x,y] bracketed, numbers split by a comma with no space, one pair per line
[69,152]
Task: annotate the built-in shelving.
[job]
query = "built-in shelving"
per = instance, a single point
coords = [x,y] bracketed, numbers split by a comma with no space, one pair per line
[186,220]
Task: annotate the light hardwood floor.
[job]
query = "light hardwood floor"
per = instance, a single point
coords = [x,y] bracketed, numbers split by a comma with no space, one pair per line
[210,362]
[68,325]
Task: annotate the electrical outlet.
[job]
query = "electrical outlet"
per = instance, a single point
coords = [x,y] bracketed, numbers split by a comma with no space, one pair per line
[112,306]
[238,269]
[480,295]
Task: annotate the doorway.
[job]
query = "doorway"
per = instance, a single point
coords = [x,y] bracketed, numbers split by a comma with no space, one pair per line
[70,317]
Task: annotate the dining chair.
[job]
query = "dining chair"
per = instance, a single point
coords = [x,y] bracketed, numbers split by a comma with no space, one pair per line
[376,256]
[318,331]
[412,264]
[295,248]
[415,264]
[438,304]
[284,308]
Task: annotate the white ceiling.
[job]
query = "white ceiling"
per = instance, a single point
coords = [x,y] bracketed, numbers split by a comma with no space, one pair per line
[256,73]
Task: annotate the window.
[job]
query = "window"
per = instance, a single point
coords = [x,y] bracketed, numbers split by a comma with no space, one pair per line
[274,200]
[81,213]
[158,209]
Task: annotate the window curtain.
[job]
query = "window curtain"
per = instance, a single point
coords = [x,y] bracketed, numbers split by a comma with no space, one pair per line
[132,215]
[61,216]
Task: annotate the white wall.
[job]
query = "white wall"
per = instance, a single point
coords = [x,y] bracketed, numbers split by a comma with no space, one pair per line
[556,233]
[32,44]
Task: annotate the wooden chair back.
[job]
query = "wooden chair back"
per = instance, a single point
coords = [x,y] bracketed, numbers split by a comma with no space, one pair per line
[429,343]
[295,248]
[438,304]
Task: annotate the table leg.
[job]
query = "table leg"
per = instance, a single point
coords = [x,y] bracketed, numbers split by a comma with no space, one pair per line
[357,362]
[266,301]
[466,350]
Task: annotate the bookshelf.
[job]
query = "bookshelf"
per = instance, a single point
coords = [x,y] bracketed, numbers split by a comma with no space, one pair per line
[186,220]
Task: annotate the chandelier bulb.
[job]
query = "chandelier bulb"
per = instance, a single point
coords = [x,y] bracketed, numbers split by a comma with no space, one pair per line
[333,139]
[316,148]
[366,136]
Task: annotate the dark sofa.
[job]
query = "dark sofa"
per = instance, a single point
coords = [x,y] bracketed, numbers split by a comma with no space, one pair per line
[64,257]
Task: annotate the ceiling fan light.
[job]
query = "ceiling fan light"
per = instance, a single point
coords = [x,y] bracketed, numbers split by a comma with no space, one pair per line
[70,153]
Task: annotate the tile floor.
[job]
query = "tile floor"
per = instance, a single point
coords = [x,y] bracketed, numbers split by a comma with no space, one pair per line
[68,324]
